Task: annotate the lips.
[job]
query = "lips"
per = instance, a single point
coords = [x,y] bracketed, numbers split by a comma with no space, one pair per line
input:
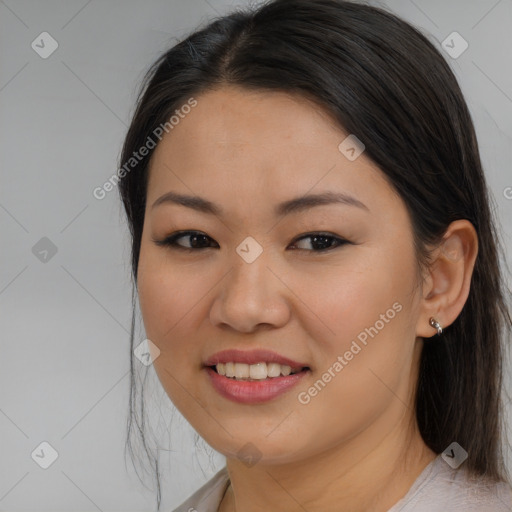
[252,357]
[253,392]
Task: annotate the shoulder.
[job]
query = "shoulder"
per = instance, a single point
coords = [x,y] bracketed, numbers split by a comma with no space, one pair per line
[441,487]
[208,497]
[484,495]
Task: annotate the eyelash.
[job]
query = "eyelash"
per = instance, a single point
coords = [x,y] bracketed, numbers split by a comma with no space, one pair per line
[170,241]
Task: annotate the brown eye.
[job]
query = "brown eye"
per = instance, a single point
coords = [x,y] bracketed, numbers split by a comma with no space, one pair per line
[323,241]
[197,240]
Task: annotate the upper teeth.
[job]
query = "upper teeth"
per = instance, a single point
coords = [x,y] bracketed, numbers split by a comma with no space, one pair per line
[257,371]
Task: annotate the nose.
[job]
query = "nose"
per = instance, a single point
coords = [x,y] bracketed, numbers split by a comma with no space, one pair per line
[250,296]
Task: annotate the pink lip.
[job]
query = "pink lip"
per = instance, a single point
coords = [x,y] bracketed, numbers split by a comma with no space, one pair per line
[252,357]
[252,392]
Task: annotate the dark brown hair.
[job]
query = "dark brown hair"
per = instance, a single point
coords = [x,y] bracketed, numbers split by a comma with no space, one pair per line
[385,82]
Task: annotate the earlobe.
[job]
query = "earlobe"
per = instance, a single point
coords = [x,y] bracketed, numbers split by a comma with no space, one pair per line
[448,281]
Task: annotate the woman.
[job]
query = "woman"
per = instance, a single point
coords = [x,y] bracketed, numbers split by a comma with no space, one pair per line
[317,264]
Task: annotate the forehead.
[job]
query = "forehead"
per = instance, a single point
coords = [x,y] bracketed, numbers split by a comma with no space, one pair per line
[244,146]
[231,116]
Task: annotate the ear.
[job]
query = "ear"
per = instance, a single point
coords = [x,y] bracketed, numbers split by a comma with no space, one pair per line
[447,283]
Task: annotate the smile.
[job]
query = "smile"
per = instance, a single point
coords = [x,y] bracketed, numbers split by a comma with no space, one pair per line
[258,371]
[252,391]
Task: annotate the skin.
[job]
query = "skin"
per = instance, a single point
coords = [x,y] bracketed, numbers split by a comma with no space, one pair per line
[355,446]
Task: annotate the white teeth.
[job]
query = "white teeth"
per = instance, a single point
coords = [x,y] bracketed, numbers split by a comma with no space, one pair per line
[273,369]
[242,371]
[258,371]
[230,370]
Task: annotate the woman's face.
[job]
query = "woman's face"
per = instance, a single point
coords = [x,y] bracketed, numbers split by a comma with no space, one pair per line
[254,279]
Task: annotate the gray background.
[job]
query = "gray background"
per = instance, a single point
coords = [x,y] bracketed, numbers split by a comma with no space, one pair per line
[65,321]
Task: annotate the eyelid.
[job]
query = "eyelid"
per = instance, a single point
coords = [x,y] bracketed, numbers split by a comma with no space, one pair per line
[170,240]
[339,239]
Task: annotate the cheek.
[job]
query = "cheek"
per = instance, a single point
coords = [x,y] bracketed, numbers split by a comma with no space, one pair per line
[366,318]
[164,302]
[350,298]
[162,293]
[172,301]
[160,305]
[375,332]
[153,295]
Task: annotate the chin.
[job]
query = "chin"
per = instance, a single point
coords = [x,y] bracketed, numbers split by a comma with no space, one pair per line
[252,449]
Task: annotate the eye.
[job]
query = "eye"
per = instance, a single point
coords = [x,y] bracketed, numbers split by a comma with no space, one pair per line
[323,240]
[199,241]
[196,240]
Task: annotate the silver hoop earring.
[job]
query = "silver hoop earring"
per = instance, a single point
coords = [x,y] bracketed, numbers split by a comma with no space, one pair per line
[436,325]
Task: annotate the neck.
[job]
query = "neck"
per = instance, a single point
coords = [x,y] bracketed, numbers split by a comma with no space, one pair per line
[368,473]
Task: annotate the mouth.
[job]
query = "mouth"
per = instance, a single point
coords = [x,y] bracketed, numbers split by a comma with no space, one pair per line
[255,372]
[254,376]
[255,383]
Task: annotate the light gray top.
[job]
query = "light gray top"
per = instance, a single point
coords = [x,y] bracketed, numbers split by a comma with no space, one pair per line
[438,488]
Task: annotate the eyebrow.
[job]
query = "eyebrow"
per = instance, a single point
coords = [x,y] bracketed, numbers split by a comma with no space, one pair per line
[295,205]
